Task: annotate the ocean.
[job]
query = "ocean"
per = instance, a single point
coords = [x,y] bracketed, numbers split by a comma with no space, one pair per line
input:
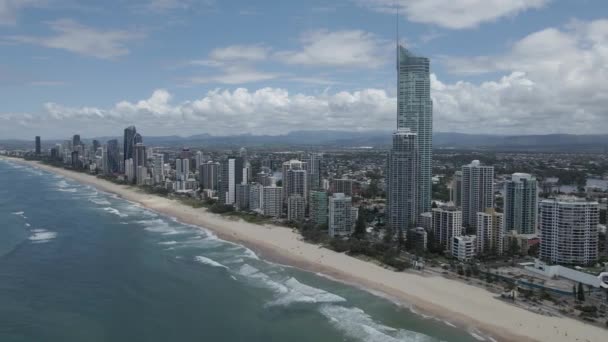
[77,264]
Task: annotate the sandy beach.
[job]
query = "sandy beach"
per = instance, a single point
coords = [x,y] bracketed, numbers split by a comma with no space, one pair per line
[454,301]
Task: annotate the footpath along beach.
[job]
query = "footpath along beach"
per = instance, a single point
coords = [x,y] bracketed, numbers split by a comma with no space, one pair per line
[457,302]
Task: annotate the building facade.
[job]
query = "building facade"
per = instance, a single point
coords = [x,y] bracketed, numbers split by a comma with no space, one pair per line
[520,203]
[401,181]
[477,191]
[569,231]
[415,111]
[447,223]
[340,215]
[490,232]
[296,208]
[272,201]
[318,207]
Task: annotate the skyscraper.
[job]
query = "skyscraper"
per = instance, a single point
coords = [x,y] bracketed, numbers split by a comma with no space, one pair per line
[569,230]
[340,215]
[447,223]
[129,142]
[113,156]
[296,208]
[456,189]
[490,232]
[139,159]
[318,207]
[520,204]
[477,191]
[76,141]
[231,174]
[272,201]
[415,111]
[159,168]
[314,171]
[295,179]
[38,150]
[401,182]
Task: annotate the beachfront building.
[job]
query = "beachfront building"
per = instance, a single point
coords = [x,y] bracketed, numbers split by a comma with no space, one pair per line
[464,247]
[318,207]
[255,196]
[401,182]
[209,174]
[158,168]
[340,215]
[231,174]
[242,196]
[477,191]
[37,146]
[447,224]
[296,208]
[314,171]
[520,203]
[490,232]
[272,201]
[295,179]
[415,112]
[569,230]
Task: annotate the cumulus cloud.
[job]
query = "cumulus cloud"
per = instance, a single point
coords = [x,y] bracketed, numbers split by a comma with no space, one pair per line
[556,81]
[84,40]
[453,14]
[346,48]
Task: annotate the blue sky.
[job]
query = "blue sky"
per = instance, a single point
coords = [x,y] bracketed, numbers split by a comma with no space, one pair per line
[269,67]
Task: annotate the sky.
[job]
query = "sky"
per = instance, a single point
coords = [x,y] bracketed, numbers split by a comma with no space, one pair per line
[183,67]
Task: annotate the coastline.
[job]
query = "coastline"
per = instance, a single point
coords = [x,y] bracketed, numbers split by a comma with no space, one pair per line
[459,303]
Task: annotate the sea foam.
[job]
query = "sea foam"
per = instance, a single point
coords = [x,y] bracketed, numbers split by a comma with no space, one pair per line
[210,262]
[42,235]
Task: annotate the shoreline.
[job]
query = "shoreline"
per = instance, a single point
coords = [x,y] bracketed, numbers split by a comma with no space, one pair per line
[464,305]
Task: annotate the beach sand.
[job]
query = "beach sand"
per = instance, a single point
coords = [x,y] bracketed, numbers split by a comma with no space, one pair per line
[461,304]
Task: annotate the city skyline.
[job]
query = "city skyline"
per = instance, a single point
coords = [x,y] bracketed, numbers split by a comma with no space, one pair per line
[495,69]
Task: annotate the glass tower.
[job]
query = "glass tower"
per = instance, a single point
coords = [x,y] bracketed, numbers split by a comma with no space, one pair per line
[415,111]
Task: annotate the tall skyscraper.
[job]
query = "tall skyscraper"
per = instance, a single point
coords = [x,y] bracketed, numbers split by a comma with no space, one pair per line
[295,179]
[477,191]
[76,141]
[38,150]
[318,207]
[415,111]
[209,174]
[139,159]
[569,230]
[314,171]
[340,215]
[456,189]
[231,174]
[521,204]
[401,181]
[159,168]
[113,156]
[129,143]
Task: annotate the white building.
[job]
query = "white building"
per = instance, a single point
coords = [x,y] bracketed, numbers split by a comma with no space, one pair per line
[158,168]
[256,199]
[296,208]
[272,201]
[490,232]
[463,247]
[340,215]
[477,191]
[569,230]
[447,223]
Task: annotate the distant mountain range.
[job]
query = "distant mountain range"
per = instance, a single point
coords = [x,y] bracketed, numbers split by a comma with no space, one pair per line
[376,139]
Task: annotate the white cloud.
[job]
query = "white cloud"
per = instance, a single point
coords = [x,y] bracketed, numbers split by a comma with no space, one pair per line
[235,74]
[347,48]
[9,9]
[454,14]
[240,53]
[84,40]
[556,81]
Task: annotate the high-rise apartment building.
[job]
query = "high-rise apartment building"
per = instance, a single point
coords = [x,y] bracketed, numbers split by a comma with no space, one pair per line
[569,230]
[209,175]
[477,191]
[490,232]
[401,181]
[128,142]
[318,207]
[520,203]
[38,149]
[340,215]
[272,201]
[231,174]
[296,208]
[456,189]
[447,223]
